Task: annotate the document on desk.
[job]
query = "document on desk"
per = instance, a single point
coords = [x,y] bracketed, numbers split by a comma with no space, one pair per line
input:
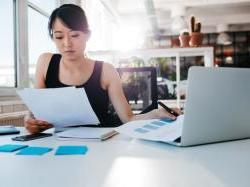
[61,107]
[87,133]
[163,130]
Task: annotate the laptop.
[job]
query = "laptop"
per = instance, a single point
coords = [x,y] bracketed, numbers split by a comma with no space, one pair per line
[217,106]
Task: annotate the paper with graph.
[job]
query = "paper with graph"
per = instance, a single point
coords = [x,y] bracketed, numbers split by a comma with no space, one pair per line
[163,130]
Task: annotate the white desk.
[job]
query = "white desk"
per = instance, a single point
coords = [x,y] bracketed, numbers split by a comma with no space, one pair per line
[125,162]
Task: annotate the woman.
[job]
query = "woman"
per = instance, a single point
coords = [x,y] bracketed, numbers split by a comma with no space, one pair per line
[69,30]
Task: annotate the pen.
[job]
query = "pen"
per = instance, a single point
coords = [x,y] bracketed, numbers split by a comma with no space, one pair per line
[168,109]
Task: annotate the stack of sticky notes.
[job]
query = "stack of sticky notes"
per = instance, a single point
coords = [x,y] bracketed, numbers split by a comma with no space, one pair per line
[34,151]
[24,149]
[11,147]
[31,150]
[71,150]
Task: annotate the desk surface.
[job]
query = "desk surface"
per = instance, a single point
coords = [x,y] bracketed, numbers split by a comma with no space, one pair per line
[126,162]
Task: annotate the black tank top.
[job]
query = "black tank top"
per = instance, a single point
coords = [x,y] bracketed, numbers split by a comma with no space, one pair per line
[98,97]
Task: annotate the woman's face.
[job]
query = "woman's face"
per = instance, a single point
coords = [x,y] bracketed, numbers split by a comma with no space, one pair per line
[70,43]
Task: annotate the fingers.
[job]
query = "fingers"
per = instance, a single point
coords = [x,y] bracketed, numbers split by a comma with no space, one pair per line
[32,129]
[36,126]
[171,116]
[177,110]
[162,113]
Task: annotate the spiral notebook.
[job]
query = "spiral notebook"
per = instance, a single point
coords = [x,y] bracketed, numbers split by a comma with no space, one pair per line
[87,133]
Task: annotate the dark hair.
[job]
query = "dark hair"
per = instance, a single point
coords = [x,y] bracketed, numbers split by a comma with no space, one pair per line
[72,16]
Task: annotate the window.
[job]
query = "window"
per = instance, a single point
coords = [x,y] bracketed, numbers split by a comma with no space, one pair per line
[103,25]
[38,37]
[45,5]
[7,63]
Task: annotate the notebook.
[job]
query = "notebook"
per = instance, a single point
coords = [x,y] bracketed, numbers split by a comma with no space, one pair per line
[87,133]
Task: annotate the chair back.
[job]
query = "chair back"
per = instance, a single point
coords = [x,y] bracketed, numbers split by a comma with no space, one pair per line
[140,87]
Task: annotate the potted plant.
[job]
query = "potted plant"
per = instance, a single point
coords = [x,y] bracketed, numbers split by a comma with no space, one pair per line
[196,35]
[184,39]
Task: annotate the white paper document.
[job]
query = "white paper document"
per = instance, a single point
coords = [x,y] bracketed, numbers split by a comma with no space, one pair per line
[87,133]
[68,106]
[156,129]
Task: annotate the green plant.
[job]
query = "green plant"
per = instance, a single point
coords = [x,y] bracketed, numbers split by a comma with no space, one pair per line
[163,66]
[136,62]
[185,33]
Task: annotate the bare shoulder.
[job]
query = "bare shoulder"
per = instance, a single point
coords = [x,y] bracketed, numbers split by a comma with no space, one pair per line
[43,62]
[44,59]
[109,70]
[109,74]
[41,69]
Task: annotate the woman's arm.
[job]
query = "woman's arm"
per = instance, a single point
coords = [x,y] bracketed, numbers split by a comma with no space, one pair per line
[112,82]
[34,125]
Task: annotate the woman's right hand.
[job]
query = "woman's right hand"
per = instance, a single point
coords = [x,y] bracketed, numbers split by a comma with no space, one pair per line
[34,125]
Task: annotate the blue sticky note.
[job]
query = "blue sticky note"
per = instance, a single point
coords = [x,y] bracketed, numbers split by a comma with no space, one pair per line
[141,130]
[11,147]
[34,151]
[150,127]
[71,150]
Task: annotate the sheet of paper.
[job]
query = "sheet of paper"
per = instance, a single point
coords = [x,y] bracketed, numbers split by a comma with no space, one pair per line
[61,107]
[87,133]
[155,130]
